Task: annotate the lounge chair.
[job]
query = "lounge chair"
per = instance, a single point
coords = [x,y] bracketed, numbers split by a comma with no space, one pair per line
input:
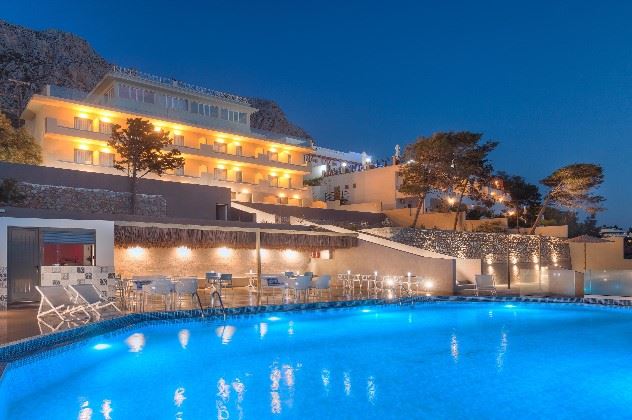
[322,283]
[89,296]
[301,284]
[55,301]
[485,283]
[160,287]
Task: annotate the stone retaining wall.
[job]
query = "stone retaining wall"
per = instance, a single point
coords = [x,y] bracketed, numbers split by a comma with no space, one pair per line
[85,200]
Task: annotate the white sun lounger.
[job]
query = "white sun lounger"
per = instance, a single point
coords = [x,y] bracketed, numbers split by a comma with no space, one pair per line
[89,296]
[485,283]
[55,301]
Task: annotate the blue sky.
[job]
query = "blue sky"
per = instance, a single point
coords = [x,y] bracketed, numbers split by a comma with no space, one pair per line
[552,81]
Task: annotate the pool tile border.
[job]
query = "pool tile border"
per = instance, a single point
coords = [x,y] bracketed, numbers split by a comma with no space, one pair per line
[29,347]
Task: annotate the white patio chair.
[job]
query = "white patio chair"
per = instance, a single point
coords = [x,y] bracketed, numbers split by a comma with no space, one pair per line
[321,284]
[160,287]
[485,283]
[272,282]
[187,286]
[89,296]
[300,284]
[55,301]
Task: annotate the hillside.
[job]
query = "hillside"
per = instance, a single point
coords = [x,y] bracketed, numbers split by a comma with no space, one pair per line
[36,58]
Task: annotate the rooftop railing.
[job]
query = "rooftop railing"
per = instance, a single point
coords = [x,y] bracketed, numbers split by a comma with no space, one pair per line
[171,82]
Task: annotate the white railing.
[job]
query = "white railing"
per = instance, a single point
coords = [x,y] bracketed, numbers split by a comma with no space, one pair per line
[167,81]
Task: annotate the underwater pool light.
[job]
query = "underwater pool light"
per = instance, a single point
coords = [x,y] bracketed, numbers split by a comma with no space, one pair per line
[274,318]
[510,306]
[365,310]
[102,346]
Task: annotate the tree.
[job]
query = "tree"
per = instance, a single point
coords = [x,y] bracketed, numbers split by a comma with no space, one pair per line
[424,171]
[142,150]
[523,195]
[571,187]
[16,145]
[10,193]
[470,170]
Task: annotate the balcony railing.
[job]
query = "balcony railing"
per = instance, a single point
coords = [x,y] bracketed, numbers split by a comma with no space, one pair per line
[262,159]
[53,127]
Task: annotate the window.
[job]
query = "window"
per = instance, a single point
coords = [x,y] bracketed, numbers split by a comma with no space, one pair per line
[239,151]
[238,176]
[106,159]
[354,185]
[173,102]
[83,156]
[220,174]
[289,182]
[204,109]
[235,116]
[83,124]
[137,94]
[105,127]
[283,200]
[219,147]
[273,180]
[178,140]
[289,158]
[273,156]
[179,171]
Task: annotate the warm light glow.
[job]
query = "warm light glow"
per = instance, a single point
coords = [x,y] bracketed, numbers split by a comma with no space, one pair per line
[106,120]
[282,195]
[273,174]
[245,191]
[218,140]
[177,132]
[157,128]
[221,167]
[183,252]
[224,252]
[428,284]
[106,150]
[237,169]
[236,143]
[273,149]
[511,213]
[82,115]
[287,175]
[83,147]
[451,200]
[296,196]
[136,251]
[290,254]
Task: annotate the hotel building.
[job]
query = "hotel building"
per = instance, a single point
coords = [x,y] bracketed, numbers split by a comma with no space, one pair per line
[210,128]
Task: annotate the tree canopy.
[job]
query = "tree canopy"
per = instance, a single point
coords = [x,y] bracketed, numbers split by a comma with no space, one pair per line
[16,145]
[572,187]
[141,150]
[524,197]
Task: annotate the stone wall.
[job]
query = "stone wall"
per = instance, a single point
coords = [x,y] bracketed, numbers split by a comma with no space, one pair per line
[85,200]
[489,247]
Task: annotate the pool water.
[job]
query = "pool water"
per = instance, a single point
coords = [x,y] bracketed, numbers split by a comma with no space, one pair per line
[437,360]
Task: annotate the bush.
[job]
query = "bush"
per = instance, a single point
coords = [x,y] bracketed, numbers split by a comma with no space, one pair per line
[490,227]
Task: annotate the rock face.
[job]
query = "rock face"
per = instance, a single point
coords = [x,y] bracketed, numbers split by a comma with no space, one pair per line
[38,58]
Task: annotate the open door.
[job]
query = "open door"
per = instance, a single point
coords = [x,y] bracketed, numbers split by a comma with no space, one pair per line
[24,261]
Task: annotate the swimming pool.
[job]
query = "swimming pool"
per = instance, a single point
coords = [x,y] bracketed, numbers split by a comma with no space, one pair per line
[438,360]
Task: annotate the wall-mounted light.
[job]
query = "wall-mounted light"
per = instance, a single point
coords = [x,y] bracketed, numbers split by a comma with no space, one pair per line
[282,195]
[106,120]
[136,251]
[83,115]
[183,252]
[224,252]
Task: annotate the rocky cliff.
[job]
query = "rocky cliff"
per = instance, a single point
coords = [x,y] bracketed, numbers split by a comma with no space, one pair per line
[30,59]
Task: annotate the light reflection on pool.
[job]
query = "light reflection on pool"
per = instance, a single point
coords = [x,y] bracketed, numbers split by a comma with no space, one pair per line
[400,362]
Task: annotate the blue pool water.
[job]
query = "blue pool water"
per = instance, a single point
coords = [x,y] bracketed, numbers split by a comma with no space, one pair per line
[439,360]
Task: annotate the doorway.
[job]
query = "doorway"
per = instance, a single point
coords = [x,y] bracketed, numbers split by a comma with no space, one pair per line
[221,212]
[24,264]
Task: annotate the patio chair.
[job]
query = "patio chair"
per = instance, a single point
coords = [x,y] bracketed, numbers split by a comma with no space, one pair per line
[289,274]
[485,283]
[187,286]
[55,301]
[159,287]
[89,296]
[301,284]
[272,283]
[226,282]
[322,283]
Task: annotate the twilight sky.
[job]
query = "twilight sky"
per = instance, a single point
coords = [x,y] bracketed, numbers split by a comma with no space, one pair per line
[551,82]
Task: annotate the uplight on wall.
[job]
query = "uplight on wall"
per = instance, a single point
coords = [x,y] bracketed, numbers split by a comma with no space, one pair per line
[136,252]
[105,120]
[290,254]
[183,252]
[83,115]
[224,252]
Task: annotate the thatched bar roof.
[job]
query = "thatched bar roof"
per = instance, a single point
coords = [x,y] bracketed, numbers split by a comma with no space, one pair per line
[167,236]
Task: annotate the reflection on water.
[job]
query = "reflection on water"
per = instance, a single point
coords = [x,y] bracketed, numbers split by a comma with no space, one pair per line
[135,342]
[183,338]
[225,332]
[501,350]
[106,409]
[346,379]
[178,397]
[290,329]
[454,348]
[370,389]
[324,376]
[85,413]
[263,329]
[223,393]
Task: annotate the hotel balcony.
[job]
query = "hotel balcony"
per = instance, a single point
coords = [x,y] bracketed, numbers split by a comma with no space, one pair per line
[262,186]
[51,126]
[206,150]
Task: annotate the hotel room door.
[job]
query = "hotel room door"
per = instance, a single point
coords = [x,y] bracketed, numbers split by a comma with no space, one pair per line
[23,271]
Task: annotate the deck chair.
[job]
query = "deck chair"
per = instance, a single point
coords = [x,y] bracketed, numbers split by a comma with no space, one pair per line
[485,283]
[55,301]
[89,296]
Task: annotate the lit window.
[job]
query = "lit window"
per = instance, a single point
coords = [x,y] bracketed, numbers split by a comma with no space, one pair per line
[273,180]
[238,176]
[220,174]
[106,159]
[219,147]
[83,124]
[105,127]
[273,156]
[238,151]
[83,156]
[178,140]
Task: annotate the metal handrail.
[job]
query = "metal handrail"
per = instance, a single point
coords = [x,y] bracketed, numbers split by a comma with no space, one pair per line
[221,303]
